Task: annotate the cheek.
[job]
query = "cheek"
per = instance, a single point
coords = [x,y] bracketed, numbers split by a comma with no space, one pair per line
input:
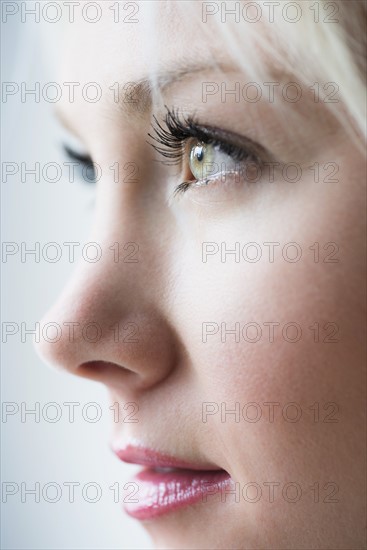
[273,355]
[277,332]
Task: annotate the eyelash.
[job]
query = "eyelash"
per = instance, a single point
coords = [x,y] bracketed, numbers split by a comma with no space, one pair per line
[170,140]
[84,159]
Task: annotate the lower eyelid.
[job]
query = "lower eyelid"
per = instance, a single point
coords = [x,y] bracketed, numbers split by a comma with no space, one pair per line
[220,178]
[248,174]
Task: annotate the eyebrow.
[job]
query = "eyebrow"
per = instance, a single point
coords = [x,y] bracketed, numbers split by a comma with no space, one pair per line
[142,91]
[139,94]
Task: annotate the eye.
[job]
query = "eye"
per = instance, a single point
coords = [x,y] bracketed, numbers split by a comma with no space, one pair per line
[206,153]
[83,166]
[207,160]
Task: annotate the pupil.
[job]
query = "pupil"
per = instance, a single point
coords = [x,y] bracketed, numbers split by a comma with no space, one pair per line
[199,153]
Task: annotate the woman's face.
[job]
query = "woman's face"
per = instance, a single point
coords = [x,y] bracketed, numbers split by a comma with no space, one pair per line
[234,318]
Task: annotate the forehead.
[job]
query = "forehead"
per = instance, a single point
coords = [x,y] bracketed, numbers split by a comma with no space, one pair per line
[136,41]
[143,38]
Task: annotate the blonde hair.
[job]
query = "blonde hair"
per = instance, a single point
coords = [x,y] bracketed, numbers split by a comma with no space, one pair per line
[326,44]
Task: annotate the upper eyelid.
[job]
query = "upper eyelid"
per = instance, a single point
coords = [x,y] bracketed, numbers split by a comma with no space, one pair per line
[190,127]
[84,157]
[72,144]
[237,140]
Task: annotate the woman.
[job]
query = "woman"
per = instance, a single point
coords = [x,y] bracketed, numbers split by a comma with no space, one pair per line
[228,296]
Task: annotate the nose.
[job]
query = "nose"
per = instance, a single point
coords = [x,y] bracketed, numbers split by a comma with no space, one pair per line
[108,327]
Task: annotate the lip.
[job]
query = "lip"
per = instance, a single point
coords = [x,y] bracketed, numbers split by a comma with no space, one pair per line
[167,483]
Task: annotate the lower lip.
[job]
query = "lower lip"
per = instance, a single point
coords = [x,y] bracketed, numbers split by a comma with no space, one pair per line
[160,492]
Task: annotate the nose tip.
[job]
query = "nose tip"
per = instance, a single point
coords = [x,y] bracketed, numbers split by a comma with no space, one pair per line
[97,333]
[62,347]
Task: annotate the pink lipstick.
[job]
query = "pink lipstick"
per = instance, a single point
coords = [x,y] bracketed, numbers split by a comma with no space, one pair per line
[167,483]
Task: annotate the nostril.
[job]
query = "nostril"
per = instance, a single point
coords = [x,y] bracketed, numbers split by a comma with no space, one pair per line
[106,372]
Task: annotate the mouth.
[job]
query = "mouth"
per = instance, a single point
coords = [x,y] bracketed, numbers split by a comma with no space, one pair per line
[166,484]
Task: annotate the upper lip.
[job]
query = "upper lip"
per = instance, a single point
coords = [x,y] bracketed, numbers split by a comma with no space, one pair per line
[148,457]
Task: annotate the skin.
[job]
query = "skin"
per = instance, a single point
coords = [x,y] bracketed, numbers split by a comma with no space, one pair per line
[170,372]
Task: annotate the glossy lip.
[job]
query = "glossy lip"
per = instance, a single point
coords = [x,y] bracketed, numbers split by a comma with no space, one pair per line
[148,457]
[168,483]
